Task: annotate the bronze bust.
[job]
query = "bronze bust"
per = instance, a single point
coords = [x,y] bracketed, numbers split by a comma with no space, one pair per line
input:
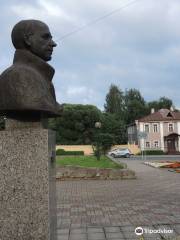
[26,88]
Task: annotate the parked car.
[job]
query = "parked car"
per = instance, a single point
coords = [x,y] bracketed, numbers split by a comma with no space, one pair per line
[113,151]
[123,152]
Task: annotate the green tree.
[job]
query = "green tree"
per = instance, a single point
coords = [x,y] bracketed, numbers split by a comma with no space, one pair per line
[153,104]
[112,124]
[114,101]
[107,140]
[102,143]
[76,125]
[135,105]
[163,102]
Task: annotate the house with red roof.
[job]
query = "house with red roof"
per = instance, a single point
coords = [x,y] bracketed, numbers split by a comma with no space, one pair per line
[159,130]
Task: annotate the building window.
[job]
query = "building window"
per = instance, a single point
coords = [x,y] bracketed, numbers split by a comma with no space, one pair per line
[155,128]
[146,128]
[156,144]
[170,127]
[147,144]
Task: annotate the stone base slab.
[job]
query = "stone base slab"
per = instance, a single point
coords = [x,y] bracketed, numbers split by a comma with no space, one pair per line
[74,172]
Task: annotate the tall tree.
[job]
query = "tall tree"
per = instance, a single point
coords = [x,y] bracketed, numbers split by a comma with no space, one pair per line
[114,101]
[135,105]
[76,125]
[163,102]
[111,124]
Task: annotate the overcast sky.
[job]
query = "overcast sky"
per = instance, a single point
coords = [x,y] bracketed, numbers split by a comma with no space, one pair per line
[138,47]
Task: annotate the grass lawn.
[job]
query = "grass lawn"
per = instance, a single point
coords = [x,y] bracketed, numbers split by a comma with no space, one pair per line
[87,161]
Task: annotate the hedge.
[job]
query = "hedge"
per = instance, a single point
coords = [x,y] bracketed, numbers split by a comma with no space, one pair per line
[152,152]
[70,153]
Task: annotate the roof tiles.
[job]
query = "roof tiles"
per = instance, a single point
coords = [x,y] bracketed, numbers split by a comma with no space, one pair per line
[161,115]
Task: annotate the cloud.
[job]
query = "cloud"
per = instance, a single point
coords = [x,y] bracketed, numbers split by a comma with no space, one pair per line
[76,91]
[138,47]
[87,95]
[73,94]
[43,9]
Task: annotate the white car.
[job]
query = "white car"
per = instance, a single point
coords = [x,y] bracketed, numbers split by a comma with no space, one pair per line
[123,152]
[113,151]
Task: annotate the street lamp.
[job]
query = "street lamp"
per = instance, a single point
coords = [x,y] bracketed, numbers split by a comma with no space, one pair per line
[98,124]
[98,147]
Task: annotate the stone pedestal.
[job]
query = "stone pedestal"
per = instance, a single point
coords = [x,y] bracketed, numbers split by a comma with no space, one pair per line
[27,182]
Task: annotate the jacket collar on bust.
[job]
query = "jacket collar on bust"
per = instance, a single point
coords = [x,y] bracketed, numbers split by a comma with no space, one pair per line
[25,57]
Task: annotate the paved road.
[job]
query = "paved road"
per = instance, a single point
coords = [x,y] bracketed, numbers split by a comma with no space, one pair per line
[99,210]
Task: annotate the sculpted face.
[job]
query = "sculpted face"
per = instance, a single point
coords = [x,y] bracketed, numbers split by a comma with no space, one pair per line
[40,42]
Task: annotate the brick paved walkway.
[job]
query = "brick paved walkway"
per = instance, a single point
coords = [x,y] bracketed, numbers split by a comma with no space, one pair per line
[99,210]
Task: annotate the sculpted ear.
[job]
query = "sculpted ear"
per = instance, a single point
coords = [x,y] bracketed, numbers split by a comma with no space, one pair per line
[27,39]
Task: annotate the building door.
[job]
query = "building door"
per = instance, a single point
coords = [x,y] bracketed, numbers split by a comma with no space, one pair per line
[171,145]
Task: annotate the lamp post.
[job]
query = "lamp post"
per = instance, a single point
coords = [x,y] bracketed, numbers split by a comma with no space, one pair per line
[98,147]
[98,125]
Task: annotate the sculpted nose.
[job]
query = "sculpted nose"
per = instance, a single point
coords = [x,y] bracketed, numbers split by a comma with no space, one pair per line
[53,44]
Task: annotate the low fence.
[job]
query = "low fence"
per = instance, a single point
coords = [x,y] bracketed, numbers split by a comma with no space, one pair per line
[87,149]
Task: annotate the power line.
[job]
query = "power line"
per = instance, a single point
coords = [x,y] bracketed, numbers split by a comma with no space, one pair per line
[97,20]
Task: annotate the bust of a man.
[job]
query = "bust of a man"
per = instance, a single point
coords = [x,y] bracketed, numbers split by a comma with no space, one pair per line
[26,88]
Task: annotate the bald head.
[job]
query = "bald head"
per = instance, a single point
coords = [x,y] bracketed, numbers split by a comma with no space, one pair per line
[34,36]
[23,29]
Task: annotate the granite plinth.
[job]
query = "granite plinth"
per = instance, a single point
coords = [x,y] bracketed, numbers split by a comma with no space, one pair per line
[27,183]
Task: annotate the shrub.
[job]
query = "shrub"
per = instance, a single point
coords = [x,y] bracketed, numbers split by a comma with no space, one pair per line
[102,143]
[61,152]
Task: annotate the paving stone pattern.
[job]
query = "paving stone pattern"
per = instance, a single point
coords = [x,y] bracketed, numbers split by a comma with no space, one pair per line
[99,210]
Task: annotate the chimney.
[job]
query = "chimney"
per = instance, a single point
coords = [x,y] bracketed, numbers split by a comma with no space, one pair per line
[136,122]
[171,109]
[152,110]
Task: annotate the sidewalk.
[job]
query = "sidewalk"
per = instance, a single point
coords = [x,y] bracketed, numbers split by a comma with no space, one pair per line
[99,210]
